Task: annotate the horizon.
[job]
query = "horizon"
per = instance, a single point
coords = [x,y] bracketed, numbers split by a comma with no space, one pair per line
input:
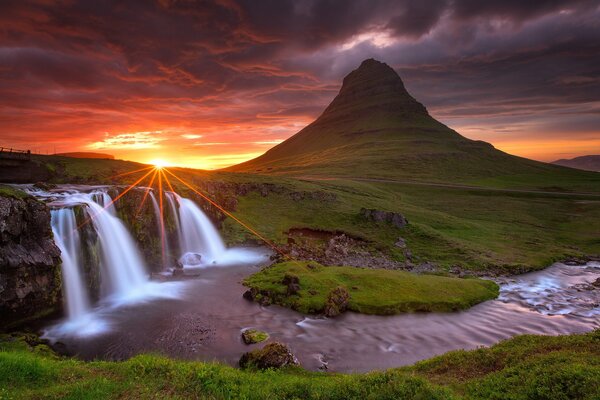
[213,85]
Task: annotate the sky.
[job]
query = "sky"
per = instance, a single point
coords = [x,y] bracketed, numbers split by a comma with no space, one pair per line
[208,84]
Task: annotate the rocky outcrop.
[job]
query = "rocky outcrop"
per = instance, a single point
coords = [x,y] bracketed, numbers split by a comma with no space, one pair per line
[273,355]
[30,277]
[396,219]
[336,248]
[337,302]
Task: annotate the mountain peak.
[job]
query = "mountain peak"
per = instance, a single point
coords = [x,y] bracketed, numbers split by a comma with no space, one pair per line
[373,87]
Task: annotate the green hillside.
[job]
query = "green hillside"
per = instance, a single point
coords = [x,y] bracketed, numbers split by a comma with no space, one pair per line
[375,129]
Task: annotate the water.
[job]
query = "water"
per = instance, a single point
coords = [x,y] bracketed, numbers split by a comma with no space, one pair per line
[123,274]
[66,237]
[197,235]
[202,318]
[205,323]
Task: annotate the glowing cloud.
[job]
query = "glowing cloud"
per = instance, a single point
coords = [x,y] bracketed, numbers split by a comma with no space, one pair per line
[134,140]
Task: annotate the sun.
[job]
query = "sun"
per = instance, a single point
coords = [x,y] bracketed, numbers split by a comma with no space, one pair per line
[159,164]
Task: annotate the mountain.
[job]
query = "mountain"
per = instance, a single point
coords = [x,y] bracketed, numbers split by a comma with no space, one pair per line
[375,129]
[83,154]
[587,163]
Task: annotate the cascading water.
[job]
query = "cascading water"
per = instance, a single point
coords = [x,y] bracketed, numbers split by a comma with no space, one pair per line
[66,237]
[197,235]
[122,267]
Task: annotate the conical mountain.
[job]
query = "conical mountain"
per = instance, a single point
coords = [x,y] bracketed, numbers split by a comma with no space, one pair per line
[375,129]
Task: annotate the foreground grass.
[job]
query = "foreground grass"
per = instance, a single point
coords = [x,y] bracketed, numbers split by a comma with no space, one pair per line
[372,291]
[526,367]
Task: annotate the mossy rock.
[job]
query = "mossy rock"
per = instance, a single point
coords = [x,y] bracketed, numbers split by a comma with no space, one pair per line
[273,355]
[251,336]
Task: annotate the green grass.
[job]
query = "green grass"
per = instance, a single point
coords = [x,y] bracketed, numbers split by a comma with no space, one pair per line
[480,230]
[372,291]
[7,191]
[525,367]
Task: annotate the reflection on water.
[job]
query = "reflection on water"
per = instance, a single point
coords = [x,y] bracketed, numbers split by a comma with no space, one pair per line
[206,321]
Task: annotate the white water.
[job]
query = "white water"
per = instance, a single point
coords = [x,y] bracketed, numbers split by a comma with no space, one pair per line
[66,237]
[122,271]
[122,267]
[197,234]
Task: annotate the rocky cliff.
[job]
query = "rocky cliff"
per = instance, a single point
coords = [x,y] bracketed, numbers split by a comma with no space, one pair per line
[30,278]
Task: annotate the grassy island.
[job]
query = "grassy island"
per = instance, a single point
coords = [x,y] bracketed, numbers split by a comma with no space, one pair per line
[371,291]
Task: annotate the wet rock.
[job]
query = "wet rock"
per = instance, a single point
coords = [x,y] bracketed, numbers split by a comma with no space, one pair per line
[262,297]
[396,219]
[273,355]
[44,186]
[337,302]
[251,336]
[30,278]
[191,259]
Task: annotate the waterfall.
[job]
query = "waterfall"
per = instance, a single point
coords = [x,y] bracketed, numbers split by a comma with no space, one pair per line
[196,232]
[66,238]
[122,265]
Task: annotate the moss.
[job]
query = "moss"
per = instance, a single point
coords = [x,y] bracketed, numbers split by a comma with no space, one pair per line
[8,191]
[370,291]
[251,336]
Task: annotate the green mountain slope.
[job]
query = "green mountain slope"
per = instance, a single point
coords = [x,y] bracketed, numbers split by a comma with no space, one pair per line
[374,128]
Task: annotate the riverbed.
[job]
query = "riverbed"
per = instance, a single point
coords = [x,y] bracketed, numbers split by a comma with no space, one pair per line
[204,316]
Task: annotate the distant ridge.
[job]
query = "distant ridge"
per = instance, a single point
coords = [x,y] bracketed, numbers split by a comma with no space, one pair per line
[83,154]
[374,128]
[586,163]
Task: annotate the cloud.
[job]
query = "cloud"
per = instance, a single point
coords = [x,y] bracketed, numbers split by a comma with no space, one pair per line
[233,70]
[134,140]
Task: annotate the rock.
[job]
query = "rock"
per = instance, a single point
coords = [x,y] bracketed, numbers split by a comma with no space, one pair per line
[273,355]
[396,219]
[262,297]
[44,186]
[292,282]
[337,302]
[191,259]
[401,243]
[30,277]
[251,336]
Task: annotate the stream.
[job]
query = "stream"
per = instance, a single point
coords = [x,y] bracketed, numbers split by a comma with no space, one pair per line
[205,323]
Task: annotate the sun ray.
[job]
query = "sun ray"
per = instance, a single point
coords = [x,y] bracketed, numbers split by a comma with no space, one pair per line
[246,226]
[91,218]
[148,189]
[162,219]
[131,172]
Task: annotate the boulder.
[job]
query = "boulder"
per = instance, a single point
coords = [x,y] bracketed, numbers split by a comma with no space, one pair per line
[191,259]
[292,282]
[337,301]
[273,355]
[396,219]
[251,336]
[30,277]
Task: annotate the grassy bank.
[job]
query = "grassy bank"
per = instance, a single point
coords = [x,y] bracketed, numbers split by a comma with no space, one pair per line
[480,229]
[526,367]
[372,291]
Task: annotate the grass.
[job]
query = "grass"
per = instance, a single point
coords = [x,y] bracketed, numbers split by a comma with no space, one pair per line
[479,230]
[7,191]
[525,367]
[372,291]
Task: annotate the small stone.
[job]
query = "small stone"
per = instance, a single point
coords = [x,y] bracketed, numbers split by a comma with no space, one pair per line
[251,336]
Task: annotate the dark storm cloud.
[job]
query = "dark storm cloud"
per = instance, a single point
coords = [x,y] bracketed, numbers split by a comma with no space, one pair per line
[110,65]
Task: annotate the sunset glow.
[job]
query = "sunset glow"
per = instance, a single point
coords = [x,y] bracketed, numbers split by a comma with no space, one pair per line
[231,80]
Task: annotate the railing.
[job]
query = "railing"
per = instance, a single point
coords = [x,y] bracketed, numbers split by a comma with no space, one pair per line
[14,154]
